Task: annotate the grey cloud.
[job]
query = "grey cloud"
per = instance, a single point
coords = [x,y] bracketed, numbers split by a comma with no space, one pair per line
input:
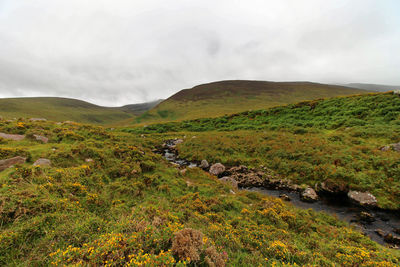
[127,51]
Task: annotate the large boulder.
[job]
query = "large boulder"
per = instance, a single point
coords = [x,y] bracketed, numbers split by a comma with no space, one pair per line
[7,163]
[362,198]
[204,164]
[309,195]
[15,137]
[217,169]
[42,162]
[41,138]
[229,180]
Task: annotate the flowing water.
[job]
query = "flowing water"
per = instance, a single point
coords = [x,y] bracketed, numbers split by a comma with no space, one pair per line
[341,207]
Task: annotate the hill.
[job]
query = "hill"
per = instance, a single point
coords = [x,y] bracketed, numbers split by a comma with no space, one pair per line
[374,87]
[228,97]
[63,109]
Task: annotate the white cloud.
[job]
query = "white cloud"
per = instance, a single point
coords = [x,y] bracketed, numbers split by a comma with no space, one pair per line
[117,52]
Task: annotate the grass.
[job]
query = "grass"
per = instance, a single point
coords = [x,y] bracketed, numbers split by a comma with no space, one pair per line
[129,206]
[229,97]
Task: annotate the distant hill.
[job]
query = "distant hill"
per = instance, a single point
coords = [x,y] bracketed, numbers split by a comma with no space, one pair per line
[62,109]
[138,109]
[374,87]
[228,97]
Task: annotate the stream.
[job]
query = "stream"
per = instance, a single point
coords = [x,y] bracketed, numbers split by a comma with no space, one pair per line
[384,220]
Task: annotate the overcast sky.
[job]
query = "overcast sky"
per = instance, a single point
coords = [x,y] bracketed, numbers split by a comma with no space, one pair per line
[118,52]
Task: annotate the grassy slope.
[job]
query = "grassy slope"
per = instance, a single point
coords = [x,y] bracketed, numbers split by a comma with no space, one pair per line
[308,142]
[62,109]
[126,206]
[228,97]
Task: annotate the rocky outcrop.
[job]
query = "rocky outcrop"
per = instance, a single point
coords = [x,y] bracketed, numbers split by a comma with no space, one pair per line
[204,164]
[41,138]
[309,195]
[42,162]
[246,177]
[15,137]
[217,169]
[363,198]
[7,163]
[230,181]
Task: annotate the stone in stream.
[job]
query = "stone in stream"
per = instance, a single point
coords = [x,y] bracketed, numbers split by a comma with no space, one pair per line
[42,162]
[362,198]
[7,163]
[389,238]
[15,137]
[366,217]
[309,195]
[217,168]
[230,181]
[284,197]
[380,232]
[204,164]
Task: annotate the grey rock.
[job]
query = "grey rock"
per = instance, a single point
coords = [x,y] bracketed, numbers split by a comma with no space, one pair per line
[204,164]
[38,119]
[309,195]
[41,138]
[88,160]
[7,163]
[363,198]
[366,217]
[230,181]
[42,162]
[15,137]
[217,169]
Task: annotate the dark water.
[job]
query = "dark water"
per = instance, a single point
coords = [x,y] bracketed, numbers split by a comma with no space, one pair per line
[340,207]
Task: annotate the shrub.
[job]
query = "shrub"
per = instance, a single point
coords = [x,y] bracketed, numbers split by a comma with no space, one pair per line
[187,244]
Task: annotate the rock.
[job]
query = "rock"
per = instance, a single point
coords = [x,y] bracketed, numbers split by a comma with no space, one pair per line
[7,163]
[246,177]
[232,192]
[385,148]
[42,162]
[330,187]
[389,238]
[309,195]
[15,137]
[37,119]
[204,164]
[230,181]
[397,231]
[41,138]
[362,198]
[380,232]
[284,197]
[366,217]
[217,168]
[88,160]
[175,164]
[396,147]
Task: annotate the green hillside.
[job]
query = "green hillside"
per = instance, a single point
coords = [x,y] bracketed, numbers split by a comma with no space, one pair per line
[108,200]
[228,97]
[337,139]
[63,109]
